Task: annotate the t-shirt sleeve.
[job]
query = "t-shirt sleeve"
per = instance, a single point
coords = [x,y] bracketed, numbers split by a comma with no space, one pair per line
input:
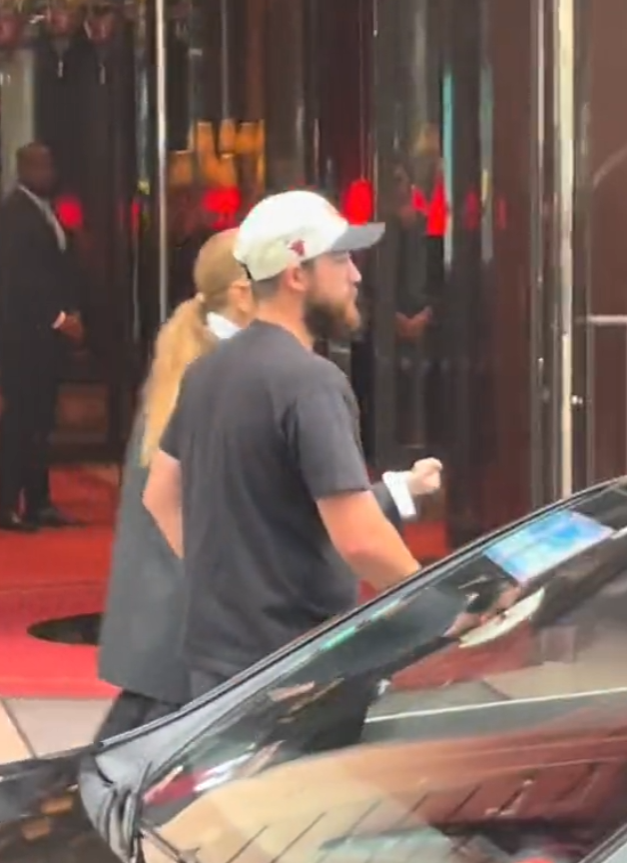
[323,439]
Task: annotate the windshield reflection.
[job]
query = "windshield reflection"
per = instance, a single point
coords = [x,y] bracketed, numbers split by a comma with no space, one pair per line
[509,693]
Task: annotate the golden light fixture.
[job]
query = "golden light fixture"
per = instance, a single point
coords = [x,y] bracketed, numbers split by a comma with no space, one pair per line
[227,137]
[202,138]
[218,172]
[212,154]
[215,169]
[181,169]
[245,143]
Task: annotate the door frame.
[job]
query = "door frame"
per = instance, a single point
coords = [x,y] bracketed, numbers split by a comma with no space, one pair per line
[556,264]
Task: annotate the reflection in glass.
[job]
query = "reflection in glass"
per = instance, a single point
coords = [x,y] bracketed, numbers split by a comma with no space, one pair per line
[479,715]
[420,222]
[413,201]
[220,170]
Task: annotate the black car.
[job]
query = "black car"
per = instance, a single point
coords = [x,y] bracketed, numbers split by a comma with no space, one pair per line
[475,714]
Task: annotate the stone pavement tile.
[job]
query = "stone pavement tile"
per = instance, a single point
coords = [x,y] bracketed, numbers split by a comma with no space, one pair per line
[12,745]
[54,725]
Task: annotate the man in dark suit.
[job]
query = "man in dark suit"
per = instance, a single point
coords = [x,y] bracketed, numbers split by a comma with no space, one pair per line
[38,323]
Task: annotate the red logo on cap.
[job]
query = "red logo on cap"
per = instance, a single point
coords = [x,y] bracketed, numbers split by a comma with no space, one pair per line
[298,247]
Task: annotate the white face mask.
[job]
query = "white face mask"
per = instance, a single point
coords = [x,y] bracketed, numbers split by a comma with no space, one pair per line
[220,326]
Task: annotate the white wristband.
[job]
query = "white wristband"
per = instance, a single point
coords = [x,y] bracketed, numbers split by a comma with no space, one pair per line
[396,484]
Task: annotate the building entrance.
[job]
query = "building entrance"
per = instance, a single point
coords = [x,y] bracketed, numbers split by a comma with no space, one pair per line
[420,113]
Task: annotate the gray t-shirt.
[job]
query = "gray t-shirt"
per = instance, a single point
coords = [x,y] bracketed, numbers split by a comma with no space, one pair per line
[263,428]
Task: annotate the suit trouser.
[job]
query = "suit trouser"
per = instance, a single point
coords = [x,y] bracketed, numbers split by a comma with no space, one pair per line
[29,393]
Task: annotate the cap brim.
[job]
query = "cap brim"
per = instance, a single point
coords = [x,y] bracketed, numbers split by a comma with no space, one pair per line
[358,237]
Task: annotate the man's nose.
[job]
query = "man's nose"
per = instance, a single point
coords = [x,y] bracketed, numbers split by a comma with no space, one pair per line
[355,275]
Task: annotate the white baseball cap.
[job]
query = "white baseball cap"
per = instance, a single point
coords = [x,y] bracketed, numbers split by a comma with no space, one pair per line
[286,229]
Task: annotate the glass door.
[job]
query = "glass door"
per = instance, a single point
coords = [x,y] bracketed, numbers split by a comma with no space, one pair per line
[420,113]
[339,42]
[455,130]
[407,283]
[600,310]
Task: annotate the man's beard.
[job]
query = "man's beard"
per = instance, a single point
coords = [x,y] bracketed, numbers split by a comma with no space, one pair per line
[327,322]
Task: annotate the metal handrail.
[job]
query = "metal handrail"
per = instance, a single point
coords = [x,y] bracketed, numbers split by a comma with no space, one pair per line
[606,320]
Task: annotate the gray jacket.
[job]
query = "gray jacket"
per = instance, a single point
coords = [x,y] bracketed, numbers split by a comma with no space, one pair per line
[141,629]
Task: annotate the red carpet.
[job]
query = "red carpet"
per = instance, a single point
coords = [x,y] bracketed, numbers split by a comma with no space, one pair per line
[57,574]
[50,575]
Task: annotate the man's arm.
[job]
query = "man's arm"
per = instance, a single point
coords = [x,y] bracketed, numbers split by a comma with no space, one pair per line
[162,499]
[321,435]
[367,541]
[387,504]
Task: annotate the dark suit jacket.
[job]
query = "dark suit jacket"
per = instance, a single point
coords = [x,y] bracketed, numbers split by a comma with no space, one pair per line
[38,280]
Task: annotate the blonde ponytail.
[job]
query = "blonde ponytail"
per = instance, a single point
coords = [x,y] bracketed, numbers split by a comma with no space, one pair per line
[181,340]
[186,336]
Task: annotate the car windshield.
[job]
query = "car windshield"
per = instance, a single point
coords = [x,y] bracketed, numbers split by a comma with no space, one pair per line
[478,715]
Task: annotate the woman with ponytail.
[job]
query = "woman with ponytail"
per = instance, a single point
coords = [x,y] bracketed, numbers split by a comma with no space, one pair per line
[139,640]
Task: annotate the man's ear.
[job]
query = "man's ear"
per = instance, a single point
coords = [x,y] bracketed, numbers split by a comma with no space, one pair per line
[296,279]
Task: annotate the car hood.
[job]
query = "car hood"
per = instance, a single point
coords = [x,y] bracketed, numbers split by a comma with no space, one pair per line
[41,812]
[114,777]
[27,786]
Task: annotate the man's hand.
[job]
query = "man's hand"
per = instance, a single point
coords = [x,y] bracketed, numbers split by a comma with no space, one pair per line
[402,325]
[412,328]
[72,328]
[417,324]
[425,477]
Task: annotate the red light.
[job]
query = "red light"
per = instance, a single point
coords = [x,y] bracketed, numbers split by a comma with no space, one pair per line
[69,212]
[501,214]
[358,202]
[136,213]
[435,210]
[437,216]
[358,206]
[472,211]
[419,202]
[224,205]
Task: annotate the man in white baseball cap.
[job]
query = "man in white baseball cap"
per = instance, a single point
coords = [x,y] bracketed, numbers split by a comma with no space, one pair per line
[263,451]
[289,230]
[298,226]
